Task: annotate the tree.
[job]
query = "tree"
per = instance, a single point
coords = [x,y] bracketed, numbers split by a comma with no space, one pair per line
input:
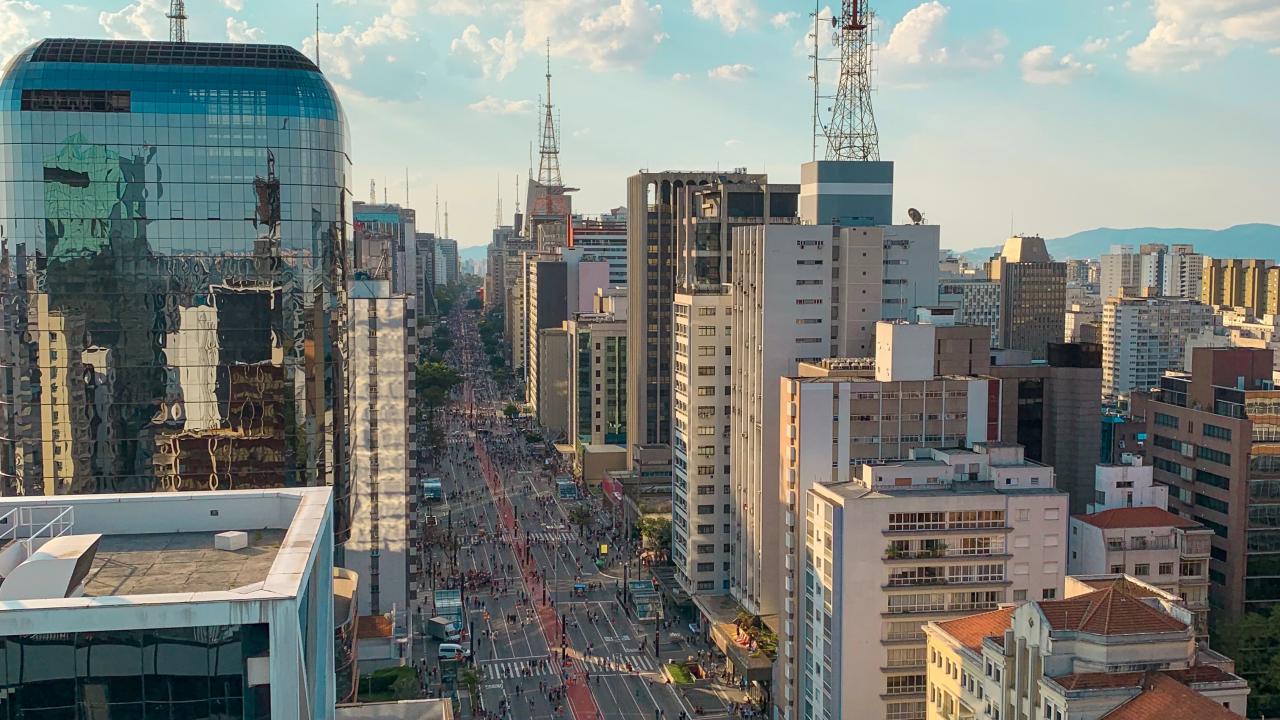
[510,410]
[580,515]
[1253,642]
[474,304]
[470,679]
[405,688]
[433,381]
[655,531]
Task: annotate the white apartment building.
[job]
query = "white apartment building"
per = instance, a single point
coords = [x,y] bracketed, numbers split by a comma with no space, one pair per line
[1183,272]
[1083,321]
[701,515]
[228,595]
[1113,649]
[802,293]
[1154,269]
[977,299]
[1127,483]
[906,542]
[1121,268]
[1142,337]
[382,352]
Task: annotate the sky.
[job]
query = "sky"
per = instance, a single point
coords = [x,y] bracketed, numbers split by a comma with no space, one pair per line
[1036,116]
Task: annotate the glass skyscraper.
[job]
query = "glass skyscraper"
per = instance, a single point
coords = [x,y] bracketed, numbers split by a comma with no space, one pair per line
[173,261]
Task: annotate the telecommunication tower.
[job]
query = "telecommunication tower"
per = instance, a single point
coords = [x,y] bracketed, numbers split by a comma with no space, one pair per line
[177,21]
[851,133]
[549,151]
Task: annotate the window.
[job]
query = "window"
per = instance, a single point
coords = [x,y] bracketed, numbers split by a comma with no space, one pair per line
[1141,569]
[1048,594]
[1168,421]
[1217,456]
[1211,503]
[706,509]
[102,101]
[904,684]
[706,529]
[1117,569]
[706,567]
[706,330]
[1166,568]
[1216,431]
[706,311]
[1208,478]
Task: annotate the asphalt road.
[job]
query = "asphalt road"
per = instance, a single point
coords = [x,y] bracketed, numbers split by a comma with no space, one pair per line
[512,652]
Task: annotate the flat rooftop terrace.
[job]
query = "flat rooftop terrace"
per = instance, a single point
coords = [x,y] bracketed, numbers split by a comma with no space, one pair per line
[186,562]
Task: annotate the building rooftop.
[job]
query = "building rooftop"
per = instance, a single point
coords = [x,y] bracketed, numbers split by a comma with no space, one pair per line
[970,631]
[1108,612]
[1120,583]
[1137,517]
[139,52]
[178,562]
[1164,698]
[1198,674]
[1025,249]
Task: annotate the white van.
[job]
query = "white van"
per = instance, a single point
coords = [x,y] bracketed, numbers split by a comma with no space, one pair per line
[452,651]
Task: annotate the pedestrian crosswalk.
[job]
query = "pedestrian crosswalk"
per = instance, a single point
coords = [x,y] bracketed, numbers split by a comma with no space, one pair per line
[561,537]
[618,664]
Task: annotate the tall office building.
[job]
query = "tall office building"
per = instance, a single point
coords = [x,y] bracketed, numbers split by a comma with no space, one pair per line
[976,299]
[1144,336]
[384,244]
[1214,440]
[652,249]
[545,292]
[425,280]
[1032,295]
[382,344]
[1154,269]
[604,238]
[1121,272]
[598,372]
[176,230]
[448,271]
[495,282]
[1052,409]
[1182,272]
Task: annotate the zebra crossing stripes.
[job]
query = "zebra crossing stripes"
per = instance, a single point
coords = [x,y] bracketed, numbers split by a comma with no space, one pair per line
[552,537]
[617,664]
[502,670]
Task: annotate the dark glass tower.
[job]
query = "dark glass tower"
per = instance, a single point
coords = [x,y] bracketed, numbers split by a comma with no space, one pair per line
[173,258]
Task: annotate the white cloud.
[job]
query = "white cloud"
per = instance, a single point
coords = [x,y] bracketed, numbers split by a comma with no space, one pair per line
[1095,44]
[617,34]
[16,19]
[73,8]
[342,51]
[497,106]
[733,15]
[241,32]
[736,71]
[680,77]
[1187,32]
[454,7]
[495,57]
[783,19]
[1040,67]
[1274,51]
[916,39]
[581,132]
[732,142]
[143,19]
[234,5]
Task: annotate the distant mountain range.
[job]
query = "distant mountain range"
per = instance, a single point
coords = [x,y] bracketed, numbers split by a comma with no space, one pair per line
[1255,240]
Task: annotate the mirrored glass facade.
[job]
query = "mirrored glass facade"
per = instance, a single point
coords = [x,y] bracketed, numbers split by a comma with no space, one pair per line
[173,257]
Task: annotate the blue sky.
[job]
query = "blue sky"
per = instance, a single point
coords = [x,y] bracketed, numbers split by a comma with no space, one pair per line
[1045,116]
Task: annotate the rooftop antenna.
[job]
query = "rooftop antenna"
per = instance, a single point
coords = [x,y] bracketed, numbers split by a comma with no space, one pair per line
[497,216]
[814,78]
[436,229]
[851,134]
[317,35]
[549,150]
[384,191]
[517,193]
[177,21]
[446,218]
[373,191]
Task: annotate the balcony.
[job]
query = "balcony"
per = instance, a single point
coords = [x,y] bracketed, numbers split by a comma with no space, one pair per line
[903,584]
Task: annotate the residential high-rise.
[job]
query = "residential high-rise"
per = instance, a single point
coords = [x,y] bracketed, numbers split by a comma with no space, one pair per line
[1115,648]
[1250,284]
[1212,439]
[1121,272]
[553,381]
[966,531]
[546,287]
[198,307]
[495,284]
[425,280]
[1083,322]
[1032,295]
[1183,269]
[1052,409]
[1154,269]
[382,347]
[1144,336]
[652,250]
[977,299]
[598,374]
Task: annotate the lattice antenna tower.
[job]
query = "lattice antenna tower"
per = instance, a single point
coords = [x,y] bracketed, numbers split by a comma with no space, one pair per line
[851,134]
[497,216]
[373,191]
[177,21]
[549,152]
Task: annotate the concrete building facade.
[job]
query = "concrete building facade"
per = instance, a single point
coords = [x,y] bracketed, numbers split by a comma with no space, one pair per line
[1032,295]
[598,378]
[966,530]
[1143,336]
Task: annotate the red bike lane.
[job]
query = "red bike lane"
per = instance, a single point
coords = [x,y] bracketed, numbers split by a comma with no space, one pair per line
[582,702]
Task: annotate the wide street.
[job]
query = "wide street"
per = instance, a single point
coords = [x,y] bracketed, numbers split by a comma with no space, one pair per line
[515,536]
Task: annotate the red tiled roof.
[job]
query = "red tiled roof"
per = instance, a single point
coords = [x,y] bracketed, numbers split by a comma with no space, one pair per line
[1121,584]
[1202,674]
[1137,517]
[1099,680]
[1108,612]
[1163,698]
[969,631]
[373,626]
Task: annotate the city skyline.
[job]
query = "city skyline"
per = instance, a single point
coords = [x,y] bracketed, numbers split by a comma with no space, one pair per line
[470,74]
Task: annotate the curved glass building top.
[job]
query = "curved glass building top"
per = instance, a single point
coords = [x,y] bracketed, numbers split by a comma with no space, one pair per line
[173,260]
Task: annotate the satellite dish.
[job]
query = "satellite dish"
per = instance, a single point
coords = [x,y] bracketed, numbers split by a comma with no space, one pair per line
[916,217]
